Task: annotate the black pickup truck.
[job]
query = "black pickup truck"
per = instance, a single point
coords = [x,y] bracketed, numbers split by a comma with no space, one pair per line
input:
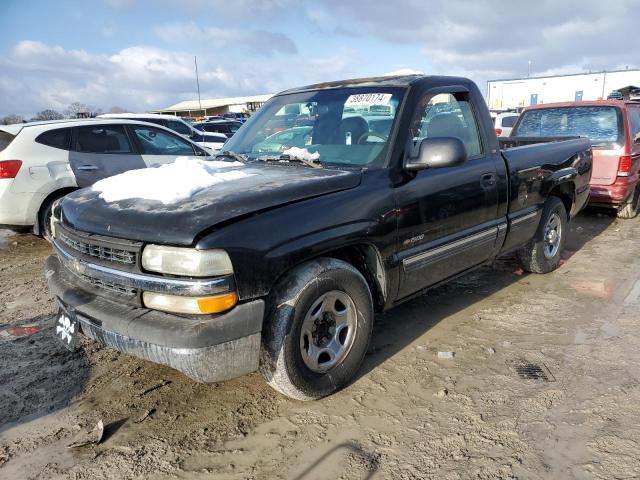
[369,192]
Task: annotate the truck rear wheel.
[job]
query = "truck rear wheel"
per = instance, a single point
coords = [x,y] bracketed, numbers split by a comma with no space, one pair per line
[318,328]
[542,253]
[629,209]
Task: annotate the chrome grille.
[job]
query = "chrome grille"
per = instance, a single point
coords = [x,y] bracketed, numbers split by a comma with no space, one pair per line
[118,255]
[110,286]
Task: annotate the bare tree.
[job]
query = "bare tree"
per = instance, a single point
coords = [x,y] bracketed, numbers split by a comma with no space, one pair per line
[11,119]
[48,114]
[82,110]
[117,109]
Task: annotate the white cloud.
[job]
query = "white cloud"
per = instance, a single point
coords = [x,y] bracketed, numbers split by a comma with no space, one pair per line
[35,76]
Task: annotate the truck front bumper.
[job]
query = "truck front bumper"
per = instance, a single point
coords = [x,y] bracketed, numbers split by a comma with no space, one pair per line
[208,349]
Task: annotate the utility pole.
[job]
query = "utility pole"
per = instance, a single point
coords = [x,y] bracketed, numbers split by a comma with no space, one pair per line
[195,60]
[529,74]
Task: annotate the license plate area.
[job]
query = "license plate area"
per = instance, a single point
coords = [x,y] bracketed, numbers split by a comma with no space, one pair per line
[66,327]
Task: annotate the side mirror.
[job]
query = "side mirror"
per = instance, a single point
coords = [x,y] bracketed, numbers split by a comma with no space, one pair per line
[437,152]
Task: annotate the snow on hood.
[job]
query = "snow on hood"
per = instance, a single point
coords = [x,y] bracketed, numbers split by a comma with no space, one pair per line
[302,153]
[169,183]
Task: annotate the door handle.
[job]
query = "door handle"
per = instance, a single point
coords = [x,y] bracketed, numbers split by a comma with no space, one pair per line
[87,168]
[488,180]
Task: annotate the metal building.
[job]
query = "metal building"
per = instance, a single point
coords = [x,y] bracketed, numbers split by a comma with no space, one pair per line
[522,92]
[215,106]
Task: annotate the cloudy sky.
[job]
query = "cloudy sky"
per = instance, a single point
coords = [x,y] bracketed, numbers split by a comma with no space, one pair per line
[138,54]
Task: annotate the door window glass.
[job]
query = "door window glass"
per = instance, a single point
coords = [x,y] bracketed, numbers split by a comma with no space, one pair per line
[445,115]
[58,138]
[634,123]
[103,139]
[179,127]
[154,141]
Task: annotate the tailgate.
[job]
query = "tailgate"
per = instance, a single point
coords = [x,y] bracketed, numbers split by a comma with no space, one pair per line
[605,166]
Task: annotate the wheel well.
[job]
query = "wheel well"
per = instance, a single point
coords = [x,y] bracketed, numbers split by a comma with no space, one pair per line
[366,259]
[566,193]
[50,198]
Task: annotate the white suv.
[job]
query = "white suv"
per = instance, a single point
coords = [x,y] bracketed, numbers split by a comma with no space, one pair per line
[209,140]
[43,161]
[504,123]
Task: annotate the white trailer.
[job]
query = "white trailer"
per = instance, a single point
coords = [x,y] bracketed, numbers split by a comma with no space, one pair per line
[522,92]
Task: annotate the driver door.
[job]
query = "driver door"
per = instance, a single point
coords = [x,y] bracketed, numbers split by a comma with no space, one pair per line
[447,219]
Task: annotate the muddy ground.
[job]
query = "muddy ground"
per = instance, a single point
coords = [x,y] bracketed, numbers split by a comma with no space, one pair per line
[544,383]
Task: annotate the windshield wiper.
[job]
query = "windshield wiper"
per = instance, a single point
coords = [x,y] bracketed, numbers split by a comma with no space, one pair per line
[233,155]
[291,159]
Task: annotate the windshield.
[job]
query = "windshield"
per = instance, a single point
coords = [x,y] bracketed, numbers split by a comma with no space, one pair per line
[348,126]
[601,125]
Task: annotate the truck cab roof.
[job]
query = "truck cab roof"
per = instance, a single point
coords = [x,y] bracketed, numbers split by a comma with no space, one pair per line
[387,81]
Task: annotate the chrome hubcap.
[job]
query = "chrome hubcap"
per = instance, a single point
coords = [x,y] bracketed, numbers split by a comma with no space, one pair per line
[552,234]
[328,331]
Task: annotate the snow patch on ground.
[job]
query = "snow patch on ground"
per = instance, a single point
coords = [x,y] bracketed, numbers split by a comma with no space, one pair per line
[168,183]
[302,153]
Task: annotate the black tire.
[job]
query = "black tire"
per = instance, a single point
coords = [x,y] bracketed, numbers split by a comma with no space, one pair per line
[281,359]
[44,218]
[629,209]
[537,256]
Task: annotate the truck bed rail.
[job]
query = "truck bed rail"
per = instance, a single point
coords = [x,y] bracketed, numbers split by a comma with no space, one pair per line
[511,142]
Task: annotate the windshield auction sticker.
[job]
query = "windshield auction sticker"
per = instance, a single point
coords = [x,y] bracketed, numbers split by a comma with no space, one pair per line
[369,99]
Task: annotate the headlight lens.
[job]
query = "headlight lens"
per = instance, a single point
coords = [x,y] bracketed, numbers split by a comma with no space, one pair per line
[186,261]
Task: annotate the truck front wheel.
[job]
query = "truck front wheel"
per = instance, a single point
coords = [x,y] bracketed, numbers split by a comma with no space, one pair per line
[318,328]
[542,253]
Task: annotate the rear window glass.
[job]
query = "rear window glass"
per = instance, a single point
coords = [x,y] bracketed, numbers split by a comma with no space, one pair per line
[103,139]
[601,125]
[5,140]
[58,138]
[509,121]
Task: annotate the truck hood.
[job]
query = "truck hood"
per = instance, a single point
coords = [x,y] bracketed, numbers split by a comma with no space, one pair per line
[265,187]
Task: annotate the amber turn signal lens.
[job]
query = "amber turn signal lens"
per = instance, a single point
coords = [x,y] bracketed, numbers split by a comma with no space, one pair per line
[217,304]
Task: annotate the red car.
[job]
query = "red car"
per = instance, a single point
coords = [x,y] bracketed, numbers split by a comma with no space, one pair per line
[613,126]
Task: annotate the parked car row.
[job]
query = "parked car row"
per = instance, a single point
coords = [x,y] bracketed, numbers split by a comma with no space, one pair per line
[212,141]
[223,126]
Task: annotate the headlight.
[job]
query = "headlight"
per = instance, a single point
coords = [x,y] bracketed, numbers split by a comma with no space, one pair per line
[186,261]
[192,305]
